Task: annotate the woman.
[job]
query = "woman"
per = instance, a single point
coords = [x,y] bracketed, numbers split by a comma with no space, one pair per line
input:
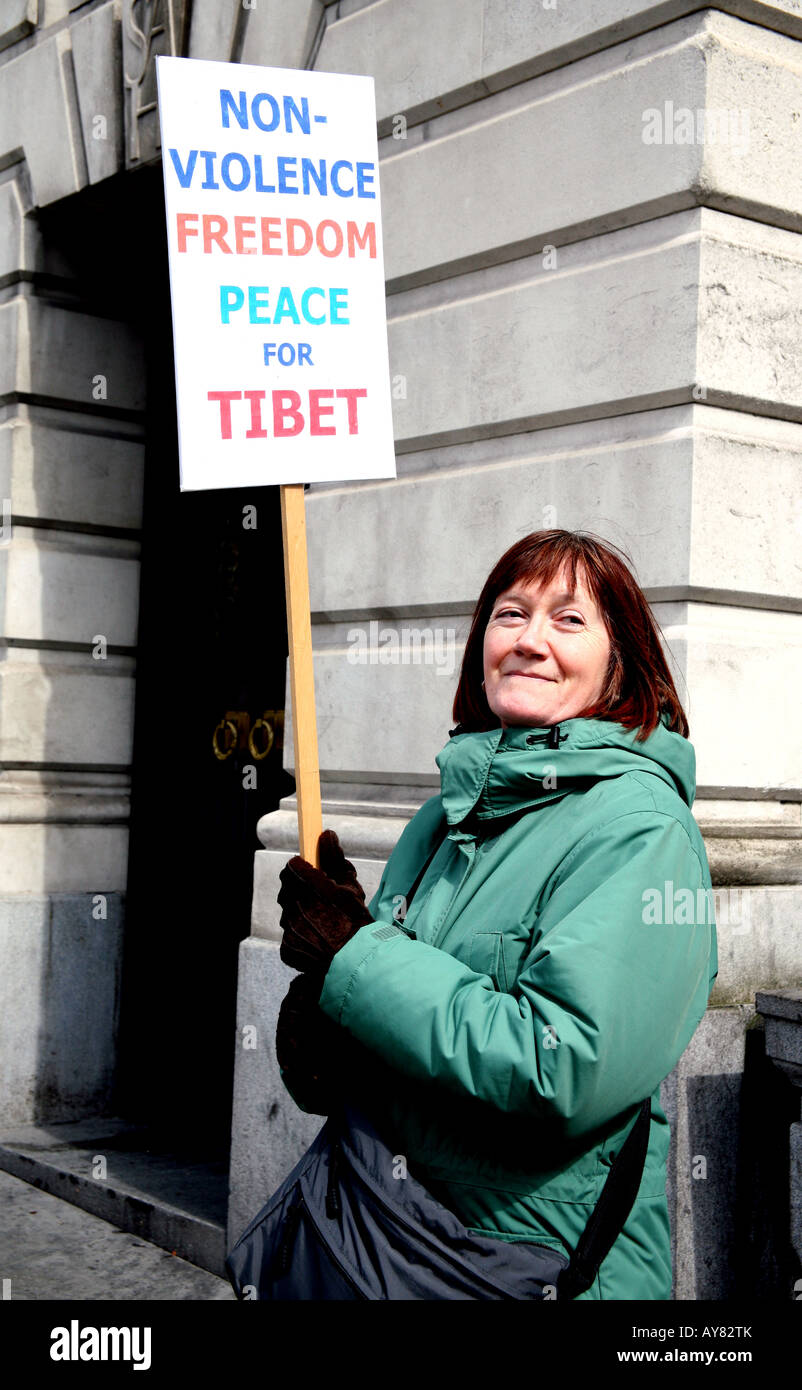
[544,980]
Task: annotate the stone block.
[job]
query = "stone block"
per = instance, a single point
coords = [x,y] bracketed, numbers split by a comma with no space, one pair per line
[486,173]
[613,477]
[281,36]
[701,1100]
[742,720]
[91,473]
[749,277]
[425,58]
[753,95]
[19,19]
[470,355]
[22,247]
[64,586]
[42,130]
[212,30]
[30,796]
[416,50]
[62,354]
[97,58]
[66,707]
[269,1132]
[51,858]
[59,986]
[381,722]
[759,945]
[746,513]
[69,351]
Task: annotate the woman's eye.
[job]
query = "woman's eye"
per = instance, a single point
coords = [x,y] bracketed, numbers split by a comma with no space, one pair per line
[572,618]
[509,612]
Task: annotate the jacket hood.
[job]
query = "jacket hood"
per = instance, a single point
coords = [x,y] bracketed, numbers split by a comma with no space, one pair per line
[501,771]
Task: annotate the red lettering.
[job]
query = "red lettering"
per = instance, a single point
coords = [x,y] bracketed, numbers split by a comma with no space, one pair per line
[351,393]
[292,223]
[225,398]
[321,240]
[212,233]
[256,431]
[241,232]
[316,410]
[281,411]
[367,238]
[182,218]
[271,231]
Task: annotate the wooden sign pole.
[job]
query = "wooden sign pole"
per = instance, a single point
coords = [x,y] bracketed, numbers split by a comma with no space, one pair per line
[302,675]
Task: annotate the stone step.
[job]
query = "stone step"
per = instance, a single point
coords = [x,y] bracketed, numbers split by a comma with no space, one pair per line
[137,1178]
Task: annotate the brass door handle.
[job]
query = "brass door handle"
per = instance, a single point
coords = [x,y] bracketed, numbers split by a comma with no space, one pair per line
[222,754]
[265,724]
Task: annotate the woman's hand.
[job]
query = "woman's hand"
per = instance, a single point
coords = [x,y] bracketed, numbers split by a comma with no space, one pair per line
[309,1047]
[322,908]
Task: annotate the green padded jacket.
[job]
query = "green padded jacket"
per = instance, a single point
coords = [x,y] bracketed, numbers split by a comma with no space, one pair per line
[552,968]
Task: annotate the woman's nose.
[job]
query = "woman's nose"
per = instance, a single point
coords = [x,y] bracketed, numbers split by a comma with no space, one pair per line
[532,638]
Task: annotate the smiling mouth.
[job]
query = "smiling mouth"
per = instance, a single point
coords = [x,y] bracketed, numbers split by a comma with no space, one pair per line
[530,675]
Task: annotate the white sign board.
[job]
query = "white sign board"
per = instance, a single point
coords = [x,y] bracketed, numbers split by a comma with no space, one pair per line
[271,185]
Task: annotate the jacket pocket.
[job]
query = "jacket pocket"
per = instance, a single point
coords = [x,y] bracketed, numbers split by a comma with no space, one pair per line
[487,957]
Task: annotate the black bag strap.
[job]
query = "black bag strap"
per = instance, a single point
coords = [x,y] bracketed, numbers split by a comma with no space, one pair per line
[611,1211]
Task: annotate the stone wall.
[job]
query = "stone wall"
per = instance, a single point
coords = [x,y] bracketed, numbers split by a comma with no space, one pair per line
[587,329]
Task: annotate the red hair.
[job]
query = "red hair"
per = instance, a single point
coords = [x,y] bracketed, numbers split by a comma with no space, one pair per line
[638,687]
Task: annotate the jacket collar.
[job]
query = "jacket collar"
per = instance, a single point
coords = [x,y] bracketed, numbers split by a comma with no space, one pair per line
[502,771]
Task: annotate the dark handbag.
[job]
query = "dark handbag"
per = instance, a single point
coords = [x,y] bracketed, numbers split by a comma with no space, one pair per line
[343,1226]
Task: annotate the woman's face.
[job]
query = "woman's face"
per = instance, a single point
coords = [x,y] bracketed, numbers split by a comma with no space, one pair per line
[545,653]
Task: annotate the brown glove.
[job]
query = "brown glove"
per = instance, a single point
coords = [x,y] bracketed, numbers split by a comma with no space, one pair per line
[309,1047]
[322,908]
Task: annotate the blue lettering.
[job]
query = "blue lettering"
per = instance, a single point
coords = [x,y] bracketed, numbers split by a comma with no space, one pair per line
[284,161]
[318,178]
[363,178]
[301,116]
[257,177]
[255,111]
[228,104]
[343,192]
[209,156]
[225,174]
[184,175]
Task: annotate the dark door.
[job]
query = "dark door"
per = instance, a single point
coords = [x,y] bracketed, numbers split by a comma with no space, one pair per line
[208,728]
[210,680]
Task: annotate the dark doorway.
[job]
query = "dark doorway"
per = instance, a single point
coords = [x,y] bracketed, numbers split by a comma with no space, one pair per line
[210,680]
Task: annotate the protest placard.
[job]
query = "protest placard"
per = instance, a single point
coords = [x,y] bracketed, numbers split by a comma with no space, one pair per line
[276,274]
[277,286]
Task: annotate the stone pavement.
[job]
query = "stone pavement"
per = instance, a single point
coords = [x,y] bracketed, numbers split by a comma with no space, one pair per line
[50,1249]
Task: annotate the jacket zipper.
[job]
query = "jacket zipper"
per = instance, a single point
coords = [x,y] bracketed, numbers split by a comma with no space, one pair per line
[290,1230]
[332,1254]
